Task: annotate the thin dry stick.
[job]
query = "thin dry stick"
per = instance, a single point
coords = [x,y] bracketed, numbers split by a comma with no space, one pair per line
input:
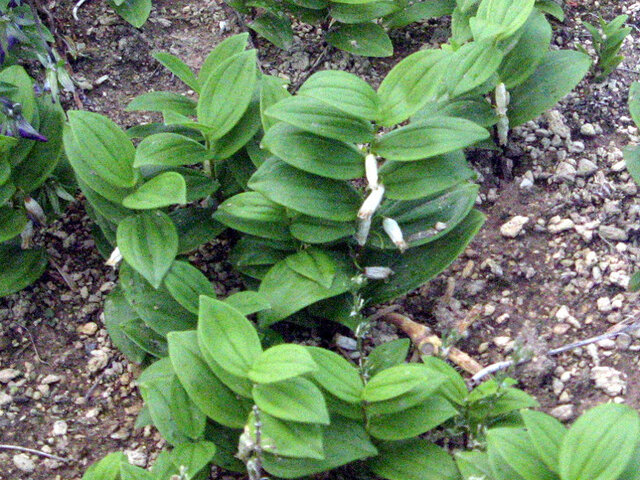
[76,7]
[429,344]
[35,452]
[496,367]
[67,279]
[33,343]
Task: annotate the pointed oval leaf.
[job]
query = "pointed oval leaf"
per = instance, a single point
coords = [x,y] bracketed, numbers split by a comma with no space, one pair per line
[228,336]
[546,434]
[171,150]
[163,102]
[226,49]
[472,65]
[186,283]
[148,242]
[281,362]
[178,68]
[289,439]
[315,265]
[20,268]
[415,459]
[366,39]
[512,455]
[275,28]
[295,399]
[163,190]
[336,375]
[317,230]
[273,90]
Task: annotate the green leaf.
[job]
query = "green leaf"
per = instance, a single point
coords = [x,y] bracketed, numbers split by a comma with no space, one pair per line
[163,190]
[524,58]
[512,456]
[632,471]
[275,28]
[345,441]
[205,389]
[189,419]
[148,242]
[294,399]
[600,443]
[354,13]
[387,355]
[552,8]
[318,117]
[227,336]
[424,178]
[314,154]
[103,147]
[227,92]
[226,49]
[317,230]
[248,302]
[558,73]
[273,90]
[306,193]
[163,102]
[344,91]
[500,18]
[420,11]
[366,39]
[253,213]
[43,157]
[117,311]
[195,227]
[289,439]
[336,375]
[20,268]
[418,265]
[413,421]
[414,459]
[145,338]
[241,133]
[186,283]
[281,362]
[472,65]
[634,102]
[410,85]
[289,292]
[106,469]
[194,456]
[170,149]
[474,464]
[315,265]
[12,222]
[178,68]
[127,471]
[546,434]
[454,389]
[156,307]
[634,283]
[394,382]
[135,12]
[429,138]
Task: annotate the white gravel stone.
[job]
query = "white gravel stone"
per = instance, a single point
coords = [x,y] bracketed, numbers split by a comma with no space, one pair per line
[604,304]
[8,374]
[514,227]
[5,399]
[588,130]
[98,361]
[612,233]
[563,412]
[566,171]
[561,226]
[609,380]
[136,457]
[563,313]
[60,427]
[23,462]
[586,168]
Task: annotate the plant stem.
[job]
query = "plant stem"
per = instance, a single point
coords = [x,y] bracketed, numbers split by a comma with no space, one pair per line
[35,452]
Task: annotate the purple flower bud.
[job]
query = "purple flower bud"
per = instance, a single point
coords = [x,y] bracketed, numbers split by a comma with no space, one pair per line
[25,130]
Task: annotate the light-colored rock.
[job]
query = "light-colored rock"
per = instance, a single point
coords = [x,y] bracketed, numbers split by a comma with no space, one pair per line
[557,124]
[49,379]
[502,341]
[514,227]
[588,130]
[563,313]
[604,304]
[566,171]
[5,399]
[136,457]
[24,463]
[98,361]
[60,427]
[609,380]
[561,226]
[563,412]
[586,168]
[88,329]
[8,374]
[612,233]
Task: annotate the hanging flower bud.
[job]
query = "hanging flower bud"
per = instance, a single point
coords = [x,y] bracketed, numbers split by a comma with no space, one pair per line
[371,170]
[364,225]
[502,99]
[392,229]
[114,259]
[377,273]
[27,235]
[372,202]
[34,210]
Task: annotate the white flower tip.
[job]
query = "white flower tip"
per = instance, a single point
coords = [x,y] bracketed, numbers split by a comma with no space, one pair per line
[35,210]
[114,259]
[364,225]
[394,232]
[371,170]
[371,203]
[377,273]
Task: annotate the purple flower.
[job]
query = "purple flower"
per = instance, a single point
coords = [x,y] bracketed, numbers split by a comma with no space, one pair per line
[16,124]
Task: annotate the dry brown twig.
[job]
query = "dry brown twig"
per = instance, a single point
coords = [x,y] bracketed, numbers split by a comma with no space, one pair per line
[35,452]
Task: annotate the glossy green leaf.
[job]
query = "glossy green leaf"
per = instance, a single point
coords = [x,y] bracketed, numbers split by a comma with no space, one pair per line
[409,86]
[552,8]
[156,394]
[315,265]
[226,49]
[306,193]
[558,73]
[117,311]
[273,90]
[513,456]
[281,362]
[344,91]
[248,302]
[275,28]
[136,12]
[600,443]
[366,39]
[393,382]
[106,469]
[145,338]
[500,18]
[253,213]
[148,241]
[227,336]
[361,13]
[414,459]
[189,419]
[243,131]
[314,154]
[317,230]
[227,92]
[193,455]
[546,434]
[127,471]
[295,399]
[163,102]
[195,227]
[12,222]
[178,68]
[321,118]
[170,149]
[186,283]
[163,190]
[429,138]
[419,11]
[103,147]
[454,388]
[634,102]
[474,464]
[289,439]
[387,355]
[200,382]
[472,65]
[336,375]
[20,268]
